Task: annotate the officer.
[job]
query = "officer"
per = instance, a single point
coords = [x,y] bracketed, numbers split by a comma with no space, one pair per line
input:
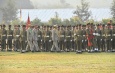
[55,38]
[75,37]
[23,39]
[17,44]
[9,38]
[3,38]
[0,33]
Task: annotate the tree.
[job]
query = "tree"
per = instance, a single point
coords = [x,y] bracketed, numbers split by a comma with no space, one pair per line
[113,9]
[36,21]
[9,11]
[83,12]
[55,20]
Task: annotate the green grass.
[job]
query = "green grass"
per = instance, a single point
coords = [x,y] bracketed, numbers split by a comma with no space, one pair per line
[43,62]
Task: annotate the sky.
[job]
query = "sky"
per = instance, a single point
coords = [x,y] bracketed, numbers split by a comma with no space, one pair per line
[70,3]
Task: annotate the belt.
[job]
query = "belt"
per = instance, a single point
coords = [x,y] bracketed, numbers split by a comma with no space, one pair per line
[108,35]
[3,35]
[61,35]
[83,35]
[67,36]
[46,36]
[38,35]
[17,35]
[9,35]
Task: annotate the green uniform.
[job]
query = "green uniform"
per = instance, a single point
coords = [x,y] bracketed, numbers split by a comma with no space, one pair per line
[17,44]
[68,39]
[39,38]
[23,39]
[9,39]
[79,40]
[103,40]
[108,38]
[3,39]
[61,40]
[113,38]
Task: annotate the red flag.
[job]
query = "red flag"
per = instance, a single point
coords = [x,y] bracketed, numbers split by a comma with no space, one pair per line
[28,22]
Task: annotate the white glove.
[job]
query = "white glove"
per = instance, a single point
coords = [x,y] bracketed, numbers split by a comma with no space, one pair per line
[82,40]
[71,40]
[64,40]
[101,39]
[49,40]
[111,39]
[41,40]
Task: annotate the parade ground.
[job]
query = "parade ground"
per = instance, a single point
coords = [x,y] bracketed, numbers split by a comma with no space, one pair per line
[53,62]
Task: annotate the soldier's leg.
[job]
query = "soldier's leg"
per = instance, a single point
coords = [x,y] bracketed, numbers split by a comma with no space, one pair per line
[56,46]
[36,46]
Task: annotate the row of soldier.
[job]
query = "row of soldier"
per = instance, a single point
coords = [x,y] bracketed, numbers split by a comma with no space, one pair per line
[77,38]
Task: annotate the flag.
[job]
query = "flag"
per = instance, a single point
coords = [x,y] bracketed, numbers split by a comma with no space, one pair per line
[20,15]
[28,22]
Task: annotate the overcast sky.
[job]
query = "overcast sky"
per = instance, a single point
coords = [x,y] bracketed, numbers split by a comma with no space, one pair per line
[70,3]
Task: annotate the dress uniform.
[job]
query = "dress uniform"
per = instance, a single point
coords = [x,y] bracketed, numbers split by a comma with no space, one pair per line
[39,38]
[3,38]
[68,39]
[35,39]
[79,39]
[84,41]
[30,37]
[61,38]
[55,38]
[16,35]
[9,38]
[47,38]
[0,33]
[23,38]
[113,37]
[103,39]
[108,37]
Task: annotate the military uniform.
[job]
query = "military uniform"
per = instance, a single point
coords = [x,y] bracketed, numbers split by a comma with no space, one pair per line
[39,38]
[79,40]
[9,38]
[108,38]
[0,33]
[16,35]
[68,38]
[47,37]
[61,39]
[84,41]
[113,37]
[23,38]
[3,38]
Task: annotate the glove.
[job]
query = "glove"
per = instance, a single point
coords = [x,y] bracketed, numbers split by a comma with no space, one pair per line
[111,39]
[49,40]
[71,40]
[41,40]
[64,40]
[82,40]
[101,39]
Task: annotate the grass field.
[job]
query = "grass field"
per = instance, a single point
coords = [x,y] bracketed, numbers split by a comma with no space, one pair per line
[46,62]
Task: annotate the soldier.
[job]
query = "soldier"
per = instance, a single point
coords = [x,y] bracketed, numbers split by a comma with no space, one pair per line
[113,37]
[35,39]
[50,41]
[30,37]
[72,38]
[16,36]
[84,41]
[68,39]
[9,38]
[103,40]
[23,36]
[108,38]
[0,33]
[79,40]
[39,38]
[3,38]
[61,38]
[75,37]
[47,38]
[55,39]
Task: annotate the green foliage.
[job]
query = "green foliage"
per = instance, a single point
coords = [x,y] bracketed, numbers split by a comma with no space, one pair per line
[9,11]
[105,21]
[113,9]
[36,21]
